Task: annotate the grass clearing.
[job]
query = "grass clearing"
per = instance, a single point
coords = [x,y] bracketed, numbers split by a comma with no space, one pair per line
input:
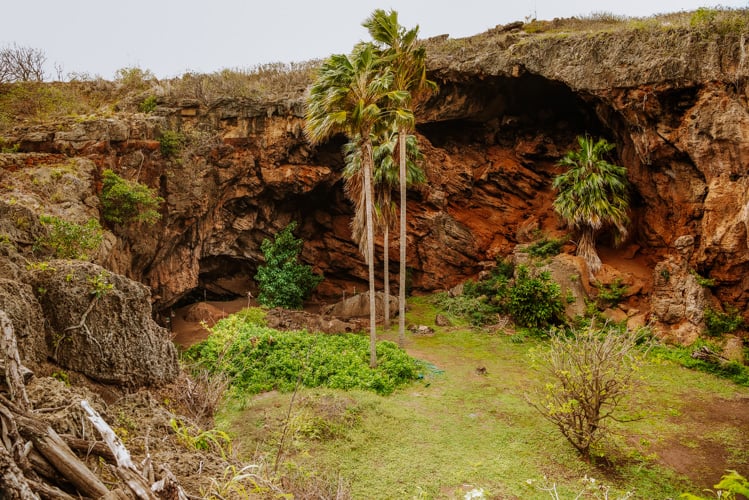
[466,424]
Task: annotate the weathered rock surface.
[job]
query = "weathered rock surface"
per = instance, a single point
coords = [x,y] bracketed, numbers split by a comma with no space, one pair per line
[105,332]
[510,104]
[358,306]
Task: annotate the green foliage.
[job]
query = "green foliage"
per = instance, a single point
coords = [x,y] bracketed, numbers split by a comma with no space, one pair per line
[736,372]
[535,301]
[611,294]
[282,280]
[68,240]
[62,376]
[702,281]
[126,201]
[588,376]
[196,439]
[546,247]
[171,142]
[134,78]
[258,359]
[100,284]
[148,104]
[731,484]
[718,323]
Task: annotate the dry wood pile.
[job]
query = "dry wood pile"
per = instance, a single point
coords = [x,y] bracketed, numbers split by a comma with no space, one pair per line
[36,462]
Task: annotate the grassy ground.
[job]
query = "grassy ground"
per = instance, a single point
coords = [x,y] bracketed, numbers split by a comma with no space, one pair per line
[467,425]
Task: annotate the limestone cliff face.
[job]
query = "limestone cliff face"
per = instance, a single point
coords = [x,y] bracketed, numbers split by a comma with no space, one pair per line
[509,106]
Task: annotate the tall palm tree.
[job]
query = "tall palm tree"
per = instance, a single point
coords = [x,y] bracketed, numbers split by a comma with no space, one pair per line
[593,194]
[386,179]
[346,98]
[408,62]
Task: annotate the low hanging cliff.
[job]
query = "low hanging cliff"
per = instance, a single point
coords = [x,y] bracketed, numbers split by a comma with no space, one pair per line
[510,104]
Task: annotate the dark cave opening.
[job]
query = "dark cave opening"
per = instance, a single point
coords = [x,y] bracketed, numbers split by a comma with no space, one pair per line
[221,278]
[499,110]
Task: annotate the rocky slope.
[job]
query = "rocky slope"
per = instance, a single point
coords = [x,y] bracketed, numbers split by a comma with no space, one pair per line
[510,104]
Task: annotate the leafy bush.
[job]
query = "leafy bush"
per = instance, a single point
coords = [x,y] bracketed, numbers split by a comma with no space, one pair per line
[718,323]
[610,295]
[283,281]
[126,201]
[535,301]
[148,104]
[257,359]
[546,247]
[476,309]
[68,240]
[171,143]
[589,374]
[731,484]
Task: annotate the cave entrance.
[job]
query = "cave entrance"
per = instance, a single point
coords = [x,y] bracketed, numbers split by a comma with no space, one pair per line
[221,278]
[500,110]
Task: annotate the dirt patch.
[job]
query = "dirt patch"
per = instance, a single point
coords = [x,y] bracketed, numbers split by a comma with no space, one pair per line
[701,455]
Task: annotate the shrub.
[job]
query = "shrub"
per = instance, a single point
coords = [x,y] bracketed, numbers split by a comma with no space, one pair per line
[590,373]
[171,143]
[718,323]
[731,484]
[127,201]
[148,104]
[283,281]
[257,359]
[535,301]
[610,295]
[546,247]
[68,240]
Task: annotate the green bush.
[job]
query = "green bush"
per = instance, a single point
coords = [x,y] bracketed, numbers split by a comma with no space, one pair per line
[535,301]
[610,295]
[171,143]
[283,281]
[718,323]
[546,247]
[258,359]
[68,240]
[148,104]
[127,201]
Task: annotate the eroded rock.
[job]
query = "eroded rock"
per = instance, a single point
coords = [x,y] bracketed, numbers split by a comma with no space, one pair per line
[99,323]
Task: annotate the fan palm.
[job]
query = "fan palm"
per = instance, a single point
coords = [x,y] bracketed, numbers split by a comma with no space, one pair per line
[592,196]
[408,62]
[346,98]
[386,179]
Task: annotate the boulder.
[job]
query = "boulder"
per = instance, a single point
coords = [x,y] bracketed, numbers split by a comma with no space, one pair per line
[25,313]
[99,324]
[357,306]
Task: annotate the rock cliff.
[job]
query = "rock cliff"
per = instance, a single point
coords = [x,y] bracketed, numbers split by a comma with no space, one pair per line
[509,105]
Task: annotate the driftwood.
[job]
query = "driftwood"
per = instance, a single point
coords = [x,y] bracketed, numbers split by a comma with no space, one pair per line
[704,353]
[36,462]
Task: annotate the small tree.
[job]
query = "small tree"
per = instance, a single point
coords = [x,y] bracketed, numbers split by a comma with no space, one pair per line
[283,281]
[21,64]
[127,201]
[592,195]
[591,373]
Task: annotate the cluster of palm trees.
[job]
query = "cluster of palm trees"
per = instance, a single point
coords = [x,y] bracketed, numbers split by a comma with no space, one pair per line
[369,96]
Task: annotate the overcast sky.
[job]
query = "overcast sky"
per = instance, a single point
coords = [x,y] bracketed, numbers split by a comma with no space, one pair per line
[170,37]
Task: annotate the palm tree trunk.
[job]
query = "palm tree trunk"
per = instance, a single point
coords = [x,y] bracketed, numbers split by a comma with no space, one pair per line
[386,272]
[367,167]
[402,247]
[587,250]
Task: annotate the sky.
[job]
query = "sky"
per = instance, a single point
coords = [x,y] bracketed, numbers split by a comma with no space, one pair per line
[171,37]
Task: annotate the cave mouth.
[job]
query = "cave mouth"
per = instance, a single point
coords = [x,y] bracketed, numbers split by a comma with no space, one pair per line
[221,278]
[498,110]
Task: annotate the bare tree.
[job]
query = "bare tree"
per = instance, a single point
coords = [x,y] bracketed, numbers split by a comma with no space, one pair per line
[21,64]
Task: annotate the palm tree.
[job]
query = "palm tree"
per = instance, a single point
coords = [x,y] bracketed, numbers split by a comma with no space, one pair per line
[408,61]
[386,178]
[592,195]
[346,98]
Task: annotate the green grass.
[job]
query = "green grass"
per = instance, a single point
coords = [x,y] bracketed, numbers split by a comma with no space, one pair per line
[456,429]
